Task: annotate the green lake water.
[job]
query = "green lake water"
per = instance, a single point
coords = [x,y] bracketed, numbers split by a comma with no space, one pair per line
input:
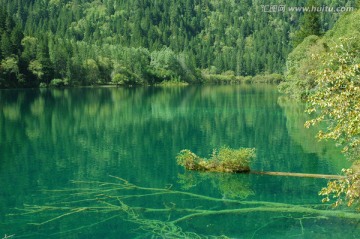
[62,153]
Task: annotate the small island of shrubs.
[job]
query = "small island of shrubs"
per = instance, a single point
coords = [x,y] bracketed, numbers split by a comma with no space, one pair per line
[223,160]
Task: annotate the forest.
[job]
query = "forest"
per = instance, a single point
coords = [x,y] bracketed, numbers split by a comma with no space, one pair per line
[83,42]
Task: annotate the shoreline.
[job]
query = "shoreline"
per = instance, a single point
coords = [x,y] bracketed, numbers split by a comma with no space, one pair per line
[207,79]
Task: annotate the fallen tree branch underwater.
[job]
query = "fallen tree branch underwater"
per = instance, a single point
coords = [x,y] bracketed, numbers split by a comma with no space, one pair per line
[109,197]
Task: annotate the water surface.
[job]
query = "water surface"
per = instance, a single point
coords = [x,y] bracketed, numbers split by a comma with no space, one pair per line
[48,138]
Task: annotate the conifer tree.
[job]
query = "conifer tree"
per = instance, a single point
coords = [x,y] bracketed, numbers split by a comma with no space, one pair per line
[6,46]
[310,23]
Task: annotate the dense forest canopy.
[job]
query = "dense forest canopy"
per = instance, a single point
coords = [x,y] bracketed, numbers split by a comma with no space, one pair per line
[83,42]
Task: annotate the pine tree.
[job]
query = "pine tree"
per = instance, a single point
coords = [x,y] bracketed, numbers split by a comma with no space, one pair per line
[44,59]
[15,37]
[6,46]
[310,23]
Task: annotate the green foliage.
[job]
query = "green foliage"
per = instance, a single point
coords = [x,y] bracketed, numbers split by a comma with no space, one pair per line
[298,78]
[344,190]
[325,72]
[164,66]
[118,79]
[10,65]
[300,63]
[122,76]
[233,160]
[346,26]
[43,85]
[336,98]
[191,161]
[223,160]
[336,101]
[91,69]
[10,73]
[6,47]
[229,78]
[268,78]
[59,83]
[220,78]
[36,68]
[131,79]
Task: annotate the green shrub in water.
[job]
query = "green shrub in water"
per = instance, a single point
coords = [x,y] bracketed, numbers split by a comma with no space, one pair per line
[223,160]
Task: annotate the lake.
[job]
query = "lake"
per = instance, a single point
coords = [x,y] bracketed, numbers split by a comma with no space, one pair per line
[100,163]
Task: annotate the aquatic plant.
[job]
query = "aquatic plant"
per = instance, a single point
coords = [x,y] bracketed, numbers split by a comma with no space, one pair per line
[223,160]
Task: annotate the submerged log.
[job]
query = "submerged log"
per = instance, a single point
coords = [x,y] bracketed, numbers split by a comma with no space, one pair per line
[300,175]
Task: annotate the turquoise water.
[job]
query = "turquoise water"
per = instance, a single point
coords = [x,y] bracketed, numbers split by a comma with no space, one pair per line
[51,138]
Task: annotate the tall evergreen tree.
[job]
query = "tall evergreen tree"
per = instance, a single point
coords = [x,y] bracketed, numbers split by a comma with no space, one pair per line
[310,23]
[6,46]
